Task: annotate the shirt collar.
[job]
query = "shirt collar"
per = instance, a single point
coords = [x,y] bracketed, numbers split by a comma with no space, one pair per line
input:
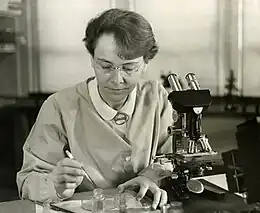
[103,109]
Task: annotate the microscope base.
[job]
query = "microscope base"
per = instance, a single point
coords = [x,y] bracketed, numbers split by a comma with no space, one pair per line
[213,192]
[179,192]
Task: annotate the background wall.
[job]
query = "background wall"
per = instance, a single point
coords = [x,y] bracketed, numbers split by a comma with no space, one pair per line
[251,48]
[64,60]
[201,38]
[186,33]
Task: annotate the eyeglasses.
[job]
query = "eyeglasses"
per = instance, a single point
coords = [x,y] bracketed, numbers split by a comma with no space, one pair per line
[127,69]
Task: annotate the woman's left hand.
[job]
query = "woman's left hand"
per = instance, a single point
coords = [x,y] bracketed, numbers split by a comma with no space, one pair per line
[145,184]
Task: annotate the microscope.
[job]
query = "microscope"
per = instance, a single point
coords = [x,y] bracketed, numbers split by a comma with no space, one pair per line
[192,154]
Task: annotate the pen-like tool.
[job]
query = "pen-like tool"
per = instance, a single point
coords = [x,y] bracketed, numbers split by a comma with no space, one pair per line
[70,156]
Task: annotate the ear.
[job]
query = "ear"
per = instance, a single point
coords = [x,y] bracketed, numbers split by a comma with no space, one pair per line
[92,61]
[144,68]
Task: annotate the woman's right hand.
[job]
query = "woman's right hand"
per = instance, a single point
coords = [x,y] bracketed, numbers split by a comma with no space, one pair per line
[67,176]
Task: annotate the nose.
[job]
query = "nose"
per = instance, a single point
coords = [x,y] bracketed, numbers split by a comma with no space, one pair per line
[116,77]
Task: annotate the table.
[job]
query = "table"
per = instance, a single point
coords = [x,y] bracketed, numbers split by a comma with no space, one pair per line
[196,204]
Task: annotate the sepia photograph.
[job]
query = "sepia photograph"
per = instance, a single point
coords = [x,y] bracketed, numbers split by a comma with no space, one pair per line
[129,106]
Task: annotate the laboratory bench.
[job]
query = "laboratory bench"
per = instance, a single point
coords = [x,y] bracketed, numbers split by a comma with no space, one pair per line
[231,203]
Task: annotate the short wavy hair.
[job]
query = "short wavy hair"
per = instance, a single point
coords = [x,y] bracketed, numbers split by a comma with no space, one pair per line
[133,34]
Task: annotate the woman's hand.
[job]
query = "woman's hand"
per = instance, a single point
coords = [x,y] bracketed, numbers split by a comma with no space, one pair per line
[145,184]
[67,176]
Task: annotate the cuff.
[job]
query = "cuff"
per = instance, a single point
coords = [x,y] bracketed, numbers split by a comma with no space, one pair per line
[157,171]
[61,198]
[40,187]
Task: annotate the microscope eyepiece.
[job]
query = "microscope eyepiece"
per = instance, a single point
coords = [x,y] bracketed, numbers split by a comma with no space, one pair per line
[192,81]
[174,82]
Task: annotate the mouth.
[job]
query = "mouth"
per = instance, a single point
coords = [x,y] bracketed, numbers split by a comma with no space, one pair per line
[117,89]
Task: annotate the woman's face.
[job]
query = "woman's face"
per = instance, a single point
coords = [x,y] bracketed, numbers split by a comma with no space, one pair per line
[115,76]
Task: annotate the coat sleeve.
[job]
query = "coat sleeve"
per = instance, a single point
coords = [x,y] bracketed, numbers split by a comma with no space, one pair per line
[166,119]
[156,171]
[42,150]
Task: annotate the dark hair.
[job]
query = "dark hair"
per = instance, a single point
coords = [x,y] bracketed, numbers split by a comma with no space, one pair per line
[133,33]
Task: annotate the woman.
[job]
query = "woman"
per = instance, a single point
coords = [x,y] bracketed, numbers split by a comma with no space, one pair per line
[113,123]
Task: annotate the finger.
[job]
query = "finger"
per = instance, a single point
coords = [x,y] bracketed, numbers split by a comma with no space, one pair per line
[69,163]
[70,171]
[68,178]
[142,191]
[156,198]
[127,184]
[70,185]
[120,189]
[67,185]
[164,198]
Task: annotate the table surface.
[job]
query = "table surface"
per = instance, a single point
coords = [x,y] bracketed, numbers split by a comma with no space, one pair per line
[196,204]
